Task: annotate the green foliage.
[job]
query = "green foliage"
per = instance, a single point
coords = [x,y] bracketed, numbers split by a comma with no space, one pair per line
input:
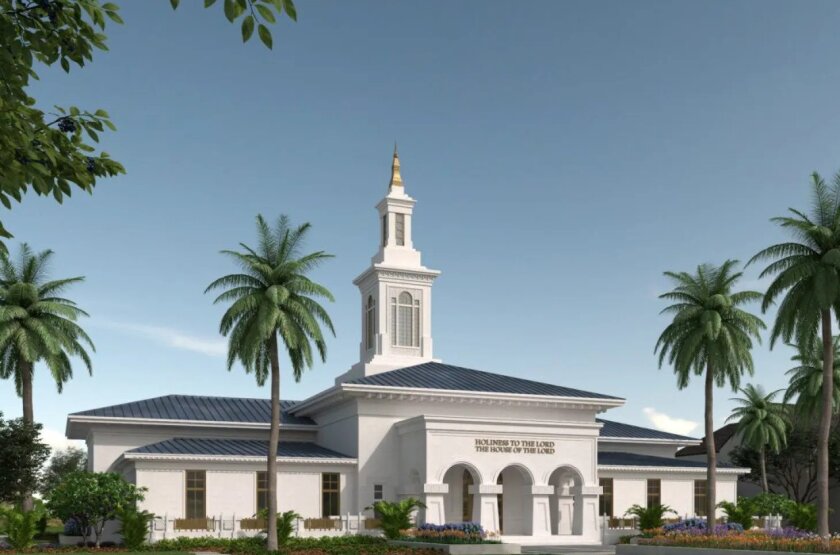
[762,422]
[806,378]
[285,524]
[37,325]
[767,504]
[396,515]
[21,526]
[134,526]
[52,151]
[339,545]
[93,498]
[21,457]
[274,296]
[650,517]
[49,152]
[256,12]
[708,328]
[62,463]
[802,516]
[741,513]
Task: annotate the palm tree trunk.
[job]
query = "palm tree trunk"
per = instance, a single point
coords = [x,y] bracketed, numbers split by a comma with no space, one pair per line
[762,461]
[273,441]
[825,425]
[711,452]
[25,369]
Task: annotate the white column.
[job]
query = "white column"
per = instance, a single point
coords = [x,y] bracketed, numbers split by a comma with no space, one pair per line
[565,511]
[541,511]
[589,526]
[435,497]
[486,505]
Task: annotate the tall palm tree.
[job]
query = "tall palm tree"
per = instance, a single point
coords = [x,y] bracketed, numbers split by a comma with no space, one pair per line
[807,277]
[37,325]
[272,298]
[805,387]
[762,423]
[710,335]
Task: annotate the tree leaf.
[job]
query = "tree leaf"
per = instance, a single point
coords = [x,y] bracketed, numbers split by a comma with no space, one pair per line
[208,3]
[230,10]
[265,35]
[289,5]
[174,4]
[266,12]
[247,28]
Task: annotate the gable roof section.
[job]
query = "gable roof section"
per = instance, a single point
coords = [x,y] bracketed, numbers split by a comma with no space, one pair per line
[436,375]
[722,437]
[634,459]
[619,430]
[200,409]
[237,448]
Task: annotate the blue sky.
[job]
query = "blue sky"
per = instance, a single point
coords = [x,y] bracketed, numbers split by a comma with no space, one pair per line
[563,155]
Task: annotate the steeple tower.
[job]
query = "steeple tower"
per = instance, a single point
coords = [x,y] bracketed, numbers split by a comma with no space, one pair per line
[396,291]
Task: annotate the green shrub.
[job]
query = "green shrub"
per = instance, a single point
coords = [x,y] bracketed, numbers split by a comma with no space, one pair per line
[802,516]
[395,516]
[742,513]
[285,524]
[650,517]
[21,526]
[134,527]
[767,504]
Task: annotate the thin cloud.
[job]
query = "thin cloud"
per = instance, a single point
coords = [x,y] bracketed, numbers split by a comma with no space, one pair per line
[670,424]
[177,339]
[57,441]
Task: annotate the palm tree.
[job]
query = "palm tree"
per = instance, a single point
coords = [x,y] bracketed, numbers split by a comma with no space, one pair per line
[806,276]
[709,334]
[806,379]
[271,297]
[37,325]
[762,423]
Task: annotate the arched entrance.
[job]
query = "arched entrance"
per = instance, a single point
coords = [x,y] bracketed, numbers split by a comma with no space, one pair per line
[515,501]
[566,502]
[458,502]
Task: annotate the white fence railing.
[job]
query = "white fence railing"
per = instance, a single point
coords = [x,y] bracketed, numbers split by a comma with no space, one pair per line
[165,527]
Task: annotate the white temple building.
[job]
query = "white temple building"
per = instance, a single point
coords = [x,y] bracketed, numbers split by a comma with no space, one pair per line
[531,461]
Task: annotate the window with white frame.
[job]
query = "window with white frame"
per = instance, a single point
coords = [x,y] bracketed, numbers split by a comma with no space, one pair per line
[399,230]
[370,322]
[405,320]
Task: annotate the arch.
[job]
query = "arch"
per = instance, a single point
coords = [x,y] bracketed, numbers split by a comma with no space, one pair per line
[566,504]
[472,468]
[405,320]
[405,298]
[521,467]
[515,504]
[572,469]
[458,503]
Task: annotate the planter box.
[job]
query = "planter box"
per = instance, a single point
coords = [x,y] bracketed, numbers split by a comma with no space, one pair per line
[672,550]
[465,548]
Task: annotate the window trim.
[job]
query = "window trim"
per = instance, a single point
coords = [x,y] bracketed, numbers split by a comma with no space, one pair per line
[191,489]
[657,493]
[700,496]
[606,497]
[330,491]
[263,491]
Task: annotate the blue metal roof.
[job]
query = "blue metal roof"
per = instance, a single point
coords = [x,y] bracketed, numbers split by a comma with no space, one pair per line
[606,458]
[436,375]
[200,408]
[621,430]
[237,448]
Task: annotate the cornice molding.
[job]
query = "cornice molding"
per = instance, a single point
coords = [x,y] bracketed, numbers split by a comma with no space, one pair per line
[233,458]
[671,469]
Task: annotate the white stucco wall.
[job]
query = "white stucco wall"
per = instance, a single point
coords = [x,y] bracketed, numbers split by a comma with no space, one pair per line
[231,487]
[677,489]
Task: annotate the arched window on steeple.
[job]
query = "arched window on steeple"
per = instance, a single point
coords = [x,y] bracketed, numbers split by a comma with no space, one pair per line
[370,322]
[405,320]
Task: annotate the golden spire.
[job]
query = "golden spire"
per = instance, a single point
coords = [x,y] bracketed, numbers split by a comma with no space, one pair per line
[396,178]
